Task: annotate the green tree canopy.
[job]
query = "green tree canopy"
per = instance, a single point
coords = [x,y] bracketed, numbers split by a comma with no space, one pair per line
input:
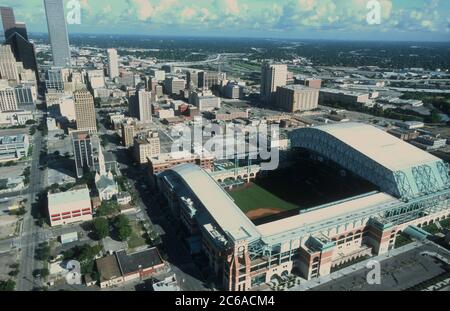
[101,227]
[123,227]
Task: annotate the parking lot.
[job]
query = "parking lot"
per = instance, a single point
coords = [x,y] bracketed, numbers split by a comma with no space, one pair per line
[398,273]
[6,260]
[8,226]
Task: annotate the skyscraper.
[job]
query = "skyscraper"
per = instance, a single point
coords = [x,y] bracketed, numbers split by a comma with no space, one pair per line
[57,31]
[88,153]
[272,76]
[8,64]
[85,111]
[144,105]
[113,63]
[8,20]
[82,150]
[17,37]
[8,101]
[192,77]
[128,133]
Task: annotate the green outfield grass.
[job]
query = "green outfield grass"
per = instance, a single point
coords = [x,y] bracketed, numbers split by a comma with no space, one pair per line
[254,197]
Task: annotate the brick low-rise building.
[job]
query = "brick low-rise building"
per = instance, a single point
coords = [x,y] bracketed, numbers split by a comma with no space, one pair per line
[125,267]
[166,161]
[70,206]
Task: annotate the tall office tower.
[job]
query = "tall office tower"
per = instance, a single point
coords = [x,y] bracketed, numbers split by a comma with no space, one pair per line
[8,20]
[159,75]
[16,35]
[88,153]
[8,101]
[208,79]
[8,64]
[174,86]
[144,105]
[297,98]
[82,150]
[193,80]
[96,79]
[85,111]
[272,76]
[113,63]
[146,146]
[57,31]
[128,134]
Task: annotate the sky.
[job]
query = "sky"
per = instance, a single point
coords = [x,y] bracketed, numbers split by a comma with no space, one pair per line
[412,20]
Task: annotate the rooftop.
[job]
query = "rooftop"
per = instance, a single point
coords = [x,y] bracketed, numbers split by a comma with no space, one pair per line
[108,267]
[6,140]
[78,194]
[130,263]
[340,91]
[218,203]
[333,211]
[104,181]
[298,87]
[379,145]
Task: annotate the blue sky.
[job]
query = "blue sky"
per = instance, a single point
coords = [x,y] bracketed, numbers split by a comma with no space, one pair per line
[421,20]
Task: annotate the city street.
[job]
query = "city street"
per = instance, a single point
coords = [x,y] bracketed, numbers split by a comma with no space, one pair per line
[31,234]
[179,258]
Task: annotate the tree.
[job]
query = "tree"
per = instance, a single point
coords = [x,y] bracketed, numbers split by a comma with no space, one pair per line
[108,208]
[101,227]
[435,117]
[85,254]
[14,266]
[7,286]
[43,252]
[122,225]
[13,273]
[44,273]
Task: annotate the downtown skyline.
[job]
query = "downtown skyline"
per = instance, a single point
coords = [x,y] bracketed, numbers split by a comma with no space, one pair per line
[401,20]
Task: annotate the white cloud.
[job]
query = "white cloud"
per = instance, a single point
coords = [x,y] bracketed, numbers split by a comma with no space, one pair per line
[145,9]
[232,7]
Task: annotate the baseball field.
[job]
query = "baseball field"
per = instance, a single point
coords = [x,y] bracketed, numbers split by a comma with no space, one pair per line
[256,202]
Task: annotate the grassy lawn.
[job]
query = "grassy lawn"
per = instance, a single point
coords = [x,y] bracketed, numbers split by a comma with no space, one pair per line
[255,197]
[445,223]
[136,240]
[431,229]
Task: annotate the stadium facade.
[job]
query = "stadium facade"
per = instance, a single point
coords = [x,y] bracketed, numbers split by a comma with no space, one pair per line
[414,191]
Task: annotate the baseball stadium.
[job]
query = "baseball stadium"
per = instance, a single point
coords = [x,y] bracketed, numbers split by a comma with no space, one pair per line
[347,192]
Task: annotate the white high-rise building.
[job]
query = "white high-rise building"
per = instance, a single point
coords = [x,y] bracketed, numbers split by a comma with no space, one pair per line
[144,99]
[85,111]
[113,63]
[272,76]
[8,64]
[96,79]
[8,101]
[57,31]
